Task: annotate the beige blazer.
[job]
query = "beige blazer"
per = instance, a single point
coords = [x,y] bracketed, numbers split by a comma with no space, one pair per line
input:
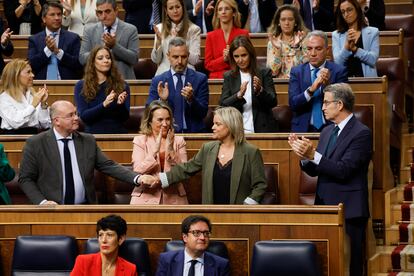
[144,162]
[75,22]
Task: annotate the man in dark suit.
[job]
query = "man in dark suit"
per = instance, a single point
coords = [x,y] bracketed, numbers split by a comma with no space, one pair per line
[185,89]
[54,52]
[341,163]
[6,47]
[265,9]
[200,12]
[46,177]
[194,259]
[374,11]
[307,81]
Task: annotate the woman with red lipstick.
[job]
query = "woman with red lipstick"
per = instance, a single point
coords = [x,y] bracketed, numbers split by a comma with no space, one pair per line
[111,232]
[102,96]
[22,110]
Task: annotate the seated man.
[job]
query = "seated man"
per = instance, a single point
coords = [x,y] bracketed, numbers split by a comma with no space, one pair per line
[307,81]
[190,102]
[54,52]
[194,259]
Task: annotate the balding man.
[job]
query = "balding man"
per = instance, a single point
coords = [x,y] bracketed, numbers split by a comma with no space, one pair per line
[58,164]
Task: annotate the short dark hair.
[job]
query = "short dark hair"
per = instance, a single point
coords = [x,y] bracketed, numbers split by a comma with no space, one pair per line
[101,2]
[341,24]
[114,223]
[50,4]
[190,220]
[342,92]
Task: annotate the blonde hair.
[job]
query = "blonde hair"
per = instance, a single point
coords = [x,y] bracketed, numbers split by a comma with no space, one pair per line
[236,14]
[233,119]
[10,79]
[145,127]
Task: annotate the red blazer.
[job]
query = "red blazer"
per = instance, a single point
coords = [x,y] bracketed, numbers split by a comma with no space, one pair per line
[91,264]
[215,44]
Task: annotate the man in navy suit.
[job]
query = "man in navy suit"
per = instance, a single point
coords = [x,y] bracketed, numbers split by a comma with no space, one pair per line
[194,260]
[341,163]
[185,89]
[200,12]
[54,44]
[307,81]
[260,13]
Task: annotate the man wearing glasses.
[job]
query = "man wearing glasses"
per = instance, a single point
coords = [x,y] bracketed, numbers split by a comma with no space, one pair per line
[194,260]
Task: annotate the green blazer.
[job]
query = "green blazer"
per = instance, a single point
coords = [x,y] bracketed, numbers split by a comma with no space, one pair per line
[6,174]
[247,172]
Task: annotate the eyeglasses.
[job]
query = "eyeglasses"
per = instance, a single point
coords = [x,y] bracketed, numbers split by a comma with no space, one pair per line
[348,10]
[69,116]
[326,103]
[197,233]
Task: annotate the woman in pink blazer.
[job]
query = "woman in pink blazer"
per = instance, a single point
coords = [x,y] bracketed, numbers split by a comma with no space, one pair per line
[156,150]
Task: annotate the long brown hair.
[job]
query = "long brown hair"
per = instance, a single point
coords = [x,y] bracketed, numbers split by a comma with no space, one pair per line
[114,80]
[243,41]
[167,23]
[341,24]
[10,79]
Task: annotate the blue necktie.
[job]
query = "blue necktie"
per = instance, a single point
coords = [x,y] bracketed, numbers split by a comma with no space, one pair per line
[69,182]
[332,141]
[317,103]
[178,103]
[307,14]
[52,67]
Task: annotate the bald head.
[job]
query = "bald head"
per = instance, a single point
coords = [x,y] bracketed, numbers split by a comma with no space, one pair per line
[64,117]
[57,108]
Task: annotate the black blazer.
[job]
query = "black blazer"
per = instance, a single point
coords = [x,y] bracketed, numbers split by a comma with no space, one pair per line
[262,104]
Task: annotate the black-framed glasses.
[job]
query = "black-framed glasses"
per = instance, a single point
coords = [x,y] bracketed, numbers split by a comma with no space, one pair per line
[197,233]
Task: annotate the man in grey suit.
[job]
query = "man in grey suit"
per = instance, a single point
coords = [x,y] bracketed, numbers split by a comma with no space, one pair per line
[119,36]
[46,177]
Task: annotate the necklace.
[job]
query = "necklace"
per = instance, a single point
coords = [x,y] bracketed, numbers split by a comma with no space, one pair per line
[221,156]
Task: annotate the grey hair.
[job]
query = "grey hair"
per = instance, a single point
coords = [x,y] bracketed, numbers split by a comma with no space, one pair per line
[320,34]
[112,2]
[49,5]
[342,92]
[176,42]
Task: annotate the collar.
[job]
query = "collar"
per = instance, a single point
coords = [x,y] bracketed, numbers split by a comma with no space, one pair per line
[342,124]
[49,32]
[173,72]
[188,258]
[177,26]
[59,136]
[320,67]
[113,26]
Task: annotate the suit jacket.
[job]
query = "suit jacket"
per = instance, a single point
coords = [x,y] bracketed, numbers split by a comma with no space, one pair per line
[367,55]
[138,13]
[125,51]
[144,162]
[247,173]
[172,264]
[376,14]
[91,264]
[300,80]
[262,104]
[195,111]
[208,19]
[266,8]
[69,67]
[7,51]
[342,172]
[41,175]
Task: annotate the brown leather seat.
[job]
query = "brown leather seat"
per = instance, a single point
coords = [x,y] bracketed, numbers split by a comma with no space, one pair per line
[283,116]
[271,195]
[145,69]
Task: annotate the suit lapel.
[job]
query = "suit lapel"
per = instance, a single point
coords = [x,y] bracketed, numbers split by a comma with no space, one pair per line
[208,264]
[306,73]
[236,171]
[178,265]
[79,149]
[344,133]
[54,154]
[61,39]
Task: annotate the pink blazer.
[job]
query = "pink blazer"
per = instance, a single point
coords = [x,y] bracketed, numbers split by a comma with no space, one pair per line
[143,162]
[91,264]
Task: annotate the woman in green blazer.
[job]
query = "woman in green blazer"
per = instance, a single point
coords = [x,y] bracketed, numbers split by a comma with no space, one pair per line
[6,174]
[232,169]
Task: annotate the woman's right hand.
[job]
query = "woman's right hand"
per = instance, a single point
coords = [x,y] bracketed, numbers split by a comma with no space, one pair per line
[243,88]
[226,53]
[66,6]
[158,34]
[109,99]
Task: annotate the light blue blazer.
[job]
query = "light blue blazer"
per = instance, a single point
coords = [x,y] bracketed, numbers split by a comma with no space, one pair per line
[368,55]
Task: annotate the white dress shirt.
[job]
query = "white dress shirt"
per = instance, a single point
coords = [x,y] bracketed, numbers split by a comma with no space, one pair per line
[248,106]
[198,268]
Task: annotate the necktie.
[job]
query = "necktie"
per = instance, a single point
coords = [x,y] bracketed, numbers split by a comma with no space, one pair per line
[178,103]
[191,271]
[317,103]
[155,16]
[52,67]
[307,14]
[332,140]
[108,29]
[70,185]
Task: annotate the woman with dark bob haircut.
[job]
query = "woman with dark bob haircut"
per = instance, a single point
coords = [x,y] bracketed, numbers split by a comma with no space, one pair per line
[111,233]
[249,89]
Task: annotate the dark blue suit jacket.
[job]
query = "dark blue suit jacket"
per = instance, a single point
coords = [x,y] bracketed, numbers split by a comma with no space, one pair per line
[342,172]
[300,80]
[69,66]
[172,264]
[194,112]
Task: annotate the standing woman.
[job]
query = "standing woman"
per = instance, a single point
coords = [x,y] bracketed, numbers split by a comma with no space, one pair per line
[174,23]
[249,89]
[285,48]
[355,45]
[226,24]
[22,110]
[24,16]
[77,14]
[156,150]
[102,96]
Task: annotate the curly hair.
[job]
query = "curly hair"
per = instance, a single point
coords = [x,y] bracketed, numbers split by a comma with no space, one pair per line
[114,80]
[167,23]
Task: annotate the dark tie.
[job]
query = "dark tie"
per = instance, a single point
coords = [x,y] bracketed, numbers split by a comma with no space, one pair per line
[332,140]
[317,103]
[108,29]
[178,103]
[307,14]
[70,185]
[191,271]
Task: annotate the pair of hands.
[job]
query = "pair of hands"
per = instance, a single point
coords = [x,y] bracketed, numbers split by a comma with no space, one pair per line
[5,37]
[315,4]
[322,79]
[186,92]
[209,9]
[351,40]
[257,87]
[113,96]
[169,143]
[109,40]
[302,146]
[40,96]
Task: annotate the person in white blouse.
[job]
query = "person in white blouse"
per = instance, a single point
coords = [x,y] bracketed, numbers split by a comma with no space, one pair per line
[174,23]
[78,13]
[22,110]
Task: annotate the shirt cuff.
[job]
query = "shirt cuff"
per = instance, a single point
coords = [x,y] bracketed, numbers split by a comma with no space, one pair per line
[250,201]
[43,202]
[47,51]
[60,54]
[317,158]
[136,180]
[164,180]
[307,96]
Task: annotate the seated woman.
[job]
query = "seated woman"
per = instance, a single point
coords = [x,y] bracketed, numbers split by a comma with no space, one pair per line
[174,23]
[232,170]
[24,16]
[6,174]
[111,232]
[156,150]
[102,96]
[22,110]
[285,48]
[77,14]
[355,45]
[226,22]
[249,89]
